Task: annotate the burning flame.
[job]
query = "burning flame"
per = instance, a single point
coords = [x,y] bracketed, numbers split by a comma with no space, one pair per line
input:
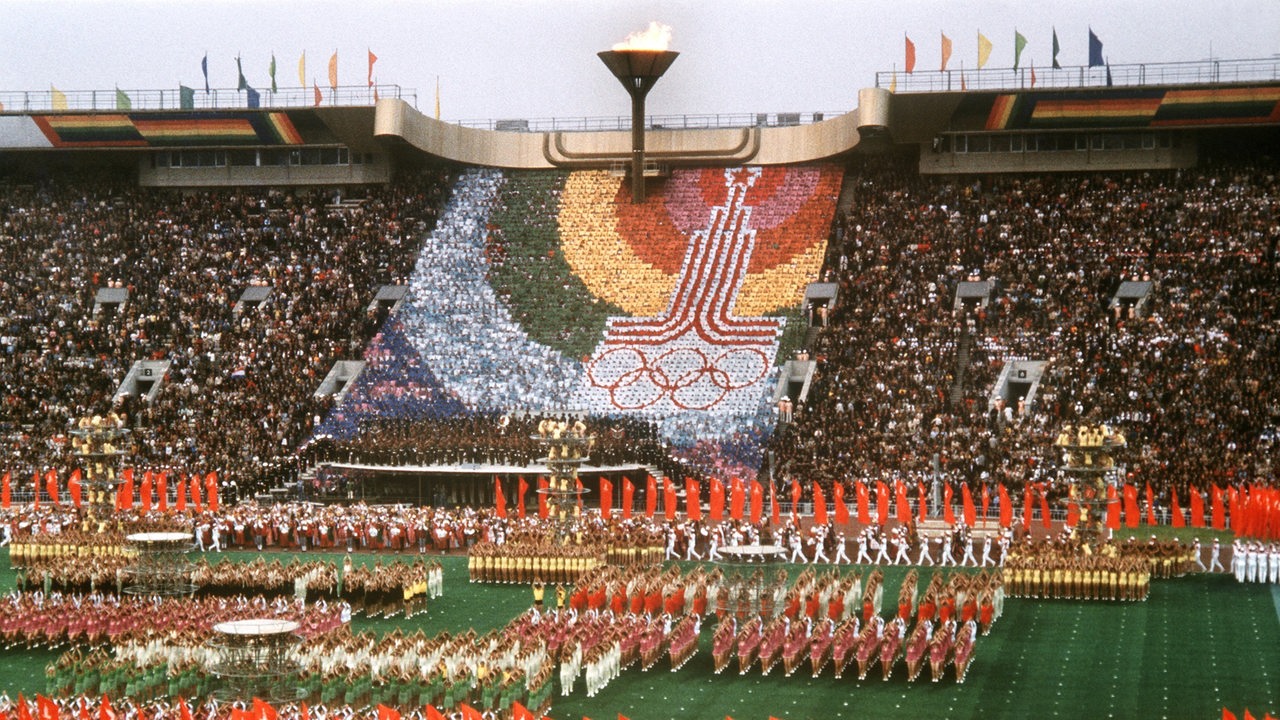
[655,38]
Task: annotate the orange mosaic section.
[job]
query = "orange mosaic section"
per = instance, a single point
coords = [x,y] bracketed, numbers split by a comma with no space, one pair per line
[631,254]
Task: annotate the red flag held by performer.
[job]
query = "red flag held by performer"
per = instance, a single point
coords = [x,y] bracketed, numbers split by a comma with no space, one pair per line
[882,502]
[162,491]
[628,495]
[842,510]
[1197,508]
[1217,508]
[606,499]
[1151,506]
[193,486]
[75,487]
[211,491]
[1176,519]
[669,500]
[904,505]
[522,486]
[757,502]
[650,496]
[499,499]
[864,503]
[948,514]
[796,492]
[737,498]
[1113,508]
[715,504]
[51,486]
[1131,513]
[1027,510]
[127,490]
[6,491]
[692,499]
[1045,521]
[1006,507]
[966,505]
[819,505]
[543,484]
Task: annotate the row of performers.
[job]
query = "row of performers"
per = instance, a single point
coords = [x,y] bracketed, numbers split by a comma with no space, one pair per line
[545,561]
[813,595]
[1114,571]
[840,638]
[34,619]
[1092,577]
[490,672]
[375,590]
[941,645]
[73,542]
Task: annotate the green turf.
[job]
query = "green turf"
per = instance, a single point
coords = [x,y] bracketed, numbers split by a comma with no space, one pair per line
[1198,644]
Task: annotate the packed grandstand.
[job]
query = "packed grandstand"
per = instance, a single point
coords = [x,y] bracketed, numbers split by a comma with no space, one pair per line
[498,326]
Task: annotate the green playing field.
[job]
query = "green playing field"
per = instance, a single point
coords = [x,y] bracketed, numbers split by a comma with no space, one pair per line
[1198,644]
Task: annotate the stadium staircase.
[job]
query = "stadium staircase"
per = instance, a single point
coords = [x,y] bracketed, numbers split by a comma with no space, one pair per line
[956,397]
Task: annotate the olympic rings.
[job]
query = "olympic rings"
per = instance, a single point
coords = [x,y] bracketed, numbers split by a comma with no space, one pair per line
[682,374]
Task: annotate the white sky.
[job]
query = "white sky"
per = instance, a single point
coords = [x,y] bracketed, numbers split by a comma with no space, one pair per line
[536,58]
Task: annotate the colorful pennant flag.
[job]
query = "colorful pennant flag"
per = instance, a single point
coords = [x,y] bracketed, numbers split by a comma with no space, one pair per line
[122,100]
[1095,50]
[372,59]
[984,50]
[271,70]
[911,55]
[1056,66]
[57,98]
[241,84]
[1019,44]
[333,71]
[186,98]
[302,69]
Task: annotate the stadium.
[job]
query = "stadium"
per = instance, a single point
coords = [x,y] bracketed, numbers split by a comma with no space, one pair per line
[467,417]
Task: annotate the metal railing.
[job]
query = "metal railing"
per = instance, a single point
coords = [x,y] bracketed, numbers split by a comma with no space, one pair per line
[216,99]
[652,122]
[1201,72]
